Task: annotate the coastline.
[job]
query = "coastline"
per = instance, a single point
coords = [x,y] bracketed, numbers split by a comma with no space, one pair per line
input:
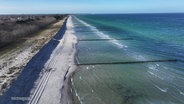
[15,58]
[47,72]
[71,90]
[149,80]
[69,81]
[58,87]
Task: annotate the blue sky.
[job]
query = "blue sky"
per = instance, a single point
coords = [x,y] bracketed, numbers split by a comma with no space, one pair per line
[89,6]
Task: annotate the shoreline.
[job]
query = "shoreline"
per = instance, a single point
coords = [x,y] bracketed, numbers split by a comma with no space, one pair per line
[68,97]
[69,81]
[63,63]
[37,69]
[49,72]
[70,88]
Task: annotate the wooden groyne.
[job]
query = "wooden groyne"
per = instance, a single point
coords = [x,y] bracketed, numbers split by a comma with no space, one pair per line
[105,39]
[128,62]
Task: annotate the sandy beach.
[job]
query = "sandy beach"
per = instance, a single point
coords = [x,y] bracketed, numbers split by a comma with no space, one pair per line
[44,79]
[61,63]
[15,57]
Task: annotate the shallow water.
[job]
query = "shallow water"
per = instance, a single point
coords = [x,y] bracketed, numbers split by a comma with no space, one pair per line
[153,37]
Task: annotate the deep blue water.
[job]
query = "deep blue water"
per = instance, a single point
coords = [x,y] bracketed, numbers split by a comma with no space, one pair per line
[145,37]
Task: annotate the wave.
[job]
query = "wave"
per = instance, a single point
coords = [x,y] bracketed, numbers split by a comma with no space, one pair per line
[132,54]
[139,57]
[182,93]
[76,94]
[101,34]
[80,78]
[161,89]
[172,84]
[155,68]
[155,75]
[166,74]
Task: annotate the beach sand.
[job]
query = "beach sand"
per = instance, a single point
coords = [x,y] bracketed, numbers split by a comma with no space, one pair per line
[60,65]
[14,58]
[45,79]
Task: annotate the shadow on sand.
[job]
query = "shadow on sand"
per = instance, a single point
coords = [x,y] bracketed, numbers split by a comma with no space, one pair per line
[20,89]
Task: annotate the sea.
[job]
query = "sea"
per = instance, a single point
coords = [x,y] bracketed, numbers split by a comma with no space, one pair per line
[129,59]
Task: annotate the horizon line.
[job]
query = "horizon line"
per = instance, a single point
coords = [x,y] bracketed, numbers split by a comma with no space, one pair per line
[90,13]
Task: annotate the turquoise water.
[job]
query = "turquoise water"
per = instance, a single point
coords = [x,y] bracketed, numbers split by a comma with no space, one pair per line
[151,37]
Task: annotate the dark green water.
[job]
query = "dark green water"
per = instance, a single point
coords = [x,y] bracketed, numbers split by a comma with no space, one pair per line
[151,37]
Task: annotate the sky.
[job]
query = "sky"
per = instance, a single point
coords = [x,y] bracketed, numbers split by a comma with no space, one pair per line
[89,6]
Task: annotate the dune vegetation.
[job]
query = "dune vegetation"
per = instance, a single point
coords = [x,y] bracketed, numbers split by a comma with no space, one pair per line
[15,27]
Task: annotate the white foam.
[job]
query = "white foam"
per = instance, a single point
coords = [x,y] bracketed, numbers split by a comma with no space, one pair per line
[161,89]
[76,94]
[80,78]
[72,81]
[155,75]
[157,64]
[102,35]
[140,57]
[151,73]
[115,42]
[182,93]
[155,71]
[153,67]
